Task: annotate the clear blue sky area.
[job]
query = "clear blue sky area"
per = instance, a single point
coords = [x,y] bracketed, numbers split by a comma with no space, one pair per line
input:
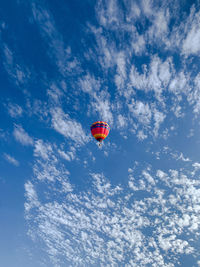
[63,200]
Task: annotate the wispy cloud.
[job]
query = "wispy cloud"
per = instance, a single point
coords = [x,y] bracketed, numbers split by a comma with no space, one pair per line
[48,167]
[192,39]
[31,196]
[22,136]
[2,134]
[68,127]
[122,121]
[109,13]
[141,111]
[158,118]
[11,159]
[181,157]
[100,98]
[42,150]
[141,135]
[14,110]
[16,70]
[155,77]
[69,155]
[58,52]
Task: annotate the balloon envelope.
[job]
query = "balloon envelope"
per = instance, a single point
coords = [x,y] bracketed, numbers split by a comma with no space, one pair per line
[100,130]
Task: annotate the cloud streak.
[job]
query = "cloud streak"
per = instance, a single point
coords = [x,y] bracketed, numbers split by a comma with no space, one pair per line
[22,136]
[11,160]
[68,127]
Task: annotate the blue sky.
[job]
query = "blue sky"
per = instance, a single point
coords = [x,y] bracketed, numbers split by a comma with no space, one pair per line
[65,65]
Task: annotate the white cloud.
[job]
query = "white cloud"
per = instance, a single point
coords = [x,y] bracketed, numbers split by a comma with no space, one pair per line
[192,39]
[68,127]
[2,134]
[191,43]
[64,155]
[147,8]
[89,84]
[138,44]
[48,167]
[99,99]
[121,121]
[3,25]
[178,84]
[103,108]
[42,150]
[183,158]
[69,155]
[15,69]
[158,118]
[14,110]
[121,70]
[159,29]
[155,77]
[105,49]
[141,111]
[108,13]
[11,159]
[55,93]
[22,136]
[31,196]
[148,177]
[141,135]
[196,165]
[133,10]
[193,95]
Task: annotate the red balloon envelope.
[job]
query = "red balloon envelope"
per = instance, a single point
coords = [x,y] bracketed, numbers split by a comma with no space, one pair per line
[100,130]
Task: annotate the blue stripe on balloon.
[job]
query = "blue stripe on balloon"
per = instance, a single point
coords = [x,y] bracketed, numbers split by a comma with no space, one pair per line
[100,126]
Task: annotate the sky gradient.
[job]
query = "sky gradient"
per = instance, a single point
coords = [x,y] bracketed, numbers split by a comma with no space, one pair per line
[66,64]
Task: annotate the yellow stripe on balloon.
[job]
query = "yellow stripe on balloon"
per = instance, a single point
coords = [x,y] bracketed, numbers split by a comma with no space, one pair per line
[100,136]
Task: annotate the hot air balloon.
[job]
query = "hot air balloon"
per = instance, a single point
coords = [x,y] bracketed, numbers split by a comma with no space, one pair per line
[100,130]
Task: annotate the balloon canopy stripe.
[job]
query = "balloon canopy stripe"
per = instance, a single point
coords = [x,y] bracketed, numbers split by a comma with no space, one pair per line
[100,122]
[102,136]
[100,131]
[99,126]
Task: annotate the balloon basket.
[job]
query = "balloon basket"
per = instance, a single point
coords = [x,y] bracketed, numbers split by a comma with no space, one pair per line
[100,145]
